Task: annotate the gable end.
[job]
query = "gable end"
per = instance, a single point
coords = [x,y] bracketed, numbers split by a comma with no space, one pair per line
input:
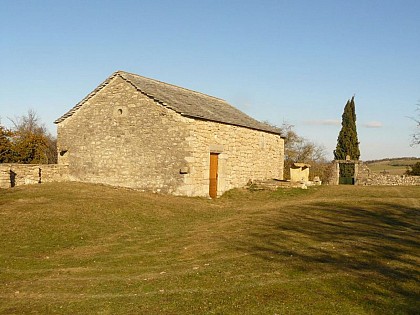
[183,101]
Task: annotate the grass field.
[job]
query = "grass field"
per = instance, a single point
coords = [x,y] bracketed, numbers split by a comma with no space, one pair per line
[392,166]
[89,249]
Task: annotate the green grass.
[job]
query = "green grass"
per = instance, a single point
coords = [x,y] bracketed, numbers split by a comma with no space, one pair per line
[91,249]
[392,166]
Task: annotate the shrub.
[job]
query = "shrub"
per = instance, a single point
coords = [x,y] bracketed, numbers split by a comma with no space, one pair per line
[415,170]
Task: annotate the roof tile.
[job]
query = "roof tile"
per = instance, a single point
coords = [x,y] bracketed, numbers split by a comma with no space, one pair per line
[184,101]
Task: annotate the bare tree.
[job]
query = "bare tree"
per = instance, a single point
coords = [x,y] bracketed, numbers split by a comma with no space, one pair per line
[416,135]
[299,149]
[31,141]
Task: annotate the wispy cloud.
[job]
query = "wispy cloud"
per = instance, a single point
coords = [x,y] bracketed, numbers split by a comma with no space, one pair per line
[373,124]
[324,122]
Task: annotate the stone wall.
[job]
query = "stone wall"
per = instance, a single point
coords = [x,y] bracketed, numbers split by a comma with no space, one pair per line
[244,155]
[335,177]
[368,178]
[391,180]
[122,137]
[299,172]
[12,175]
[364,176]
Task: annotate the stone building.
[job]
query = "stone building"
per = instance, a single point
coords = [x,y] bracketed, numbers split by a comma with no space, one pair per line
[137,132]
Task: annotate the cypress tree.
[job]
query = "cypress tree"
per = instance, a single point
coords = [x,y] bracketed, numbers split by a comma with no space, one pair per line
[347,142]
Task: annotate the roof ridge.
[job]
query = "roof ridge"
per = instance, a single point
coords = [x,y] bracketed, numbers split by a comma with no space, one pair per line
[184,101]
[122,72]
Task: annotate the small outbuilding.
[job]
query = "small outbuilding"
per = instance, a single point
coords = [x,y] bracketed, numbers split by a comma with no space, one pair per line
[138,132]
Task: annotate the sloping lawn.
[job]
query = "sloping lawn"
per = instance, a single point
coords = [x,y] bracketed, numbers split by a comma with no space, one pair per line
[392,166]
[89,249]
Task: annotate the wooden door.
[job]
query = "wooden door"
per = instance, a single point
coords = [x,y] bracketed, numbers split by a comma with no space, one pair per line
[214,161]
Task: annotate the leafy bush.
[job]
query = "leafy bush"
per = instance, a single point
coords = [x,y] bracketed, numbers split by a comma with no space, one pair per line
[27,142]
[415,170]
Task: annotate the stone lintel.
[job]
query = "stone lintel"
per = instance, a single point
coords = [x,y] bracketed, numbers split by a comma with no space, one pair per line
[216,148]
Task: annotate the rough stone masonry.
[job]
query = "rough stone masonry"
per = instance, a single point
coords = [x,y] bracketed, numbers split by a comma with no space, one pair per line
[137,132]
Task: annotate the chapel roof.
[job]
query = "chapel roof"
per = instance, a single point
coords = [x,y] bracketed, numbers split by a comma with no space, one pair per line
[184,101]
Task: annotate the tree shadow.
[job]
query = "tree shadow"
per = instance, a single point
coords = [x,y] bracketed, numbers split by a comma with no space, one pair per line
[12,176]
[377,246]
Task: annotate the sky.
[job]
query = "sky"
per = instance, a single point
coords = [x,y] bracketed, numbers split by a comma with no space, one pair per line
[295,62]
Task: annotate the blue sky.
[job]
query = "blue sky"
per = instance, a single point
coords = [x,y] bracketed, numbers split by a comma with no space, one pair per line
[279,61]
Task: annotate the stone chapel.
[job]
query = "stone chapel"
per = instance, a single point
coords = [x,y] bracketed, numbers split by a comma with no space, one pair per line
[137,132]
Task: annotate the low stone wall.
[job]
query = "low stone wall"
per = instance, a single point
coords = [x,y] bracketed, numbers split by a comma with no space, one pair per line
[366,177]
[12,175]
[390,180]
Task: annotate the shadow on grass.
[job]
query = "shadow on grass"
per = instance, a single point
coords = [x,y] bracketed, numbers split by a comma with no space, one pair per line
[375,248]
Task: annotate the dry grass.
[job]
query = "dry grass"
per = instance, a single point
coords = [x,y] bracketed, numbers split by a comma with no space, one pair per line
[78,248]
[393,166]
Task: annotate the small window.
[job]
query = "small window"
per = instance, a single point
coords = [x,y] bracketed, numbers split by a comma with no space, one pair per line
[120,111]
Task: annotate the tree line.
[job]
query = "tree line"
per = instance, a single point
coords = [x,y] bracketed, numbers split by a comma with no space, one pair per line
[398,160]
[27,141]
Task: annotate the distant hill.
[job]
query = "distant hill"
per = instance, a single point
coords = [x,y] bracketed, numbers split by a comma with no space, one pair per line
[396,166]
